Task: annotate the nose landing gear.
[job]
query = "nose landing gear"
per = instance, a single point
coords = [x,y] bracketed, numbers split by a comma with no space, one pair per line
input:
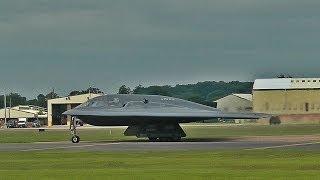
[75,139]
[73,129]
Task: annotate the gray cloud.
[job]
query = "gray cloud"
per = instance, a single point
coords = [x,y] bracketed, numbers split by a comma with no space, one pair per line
[71,44]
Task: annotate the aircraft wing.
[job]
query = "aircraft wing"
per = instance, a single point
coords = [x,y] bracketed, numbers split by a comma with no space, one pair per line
[172,113]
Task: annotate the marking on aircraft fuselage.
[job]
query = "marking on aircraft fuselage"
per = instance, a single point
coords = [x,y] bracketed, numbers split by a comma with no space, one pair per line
[167,99]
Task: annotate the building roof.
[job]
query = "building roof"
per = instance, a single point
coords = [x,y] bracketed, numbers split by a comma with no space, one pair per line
[78,99]
[244,96]
[24,111]
[247,97]
[286,83]
[30,108]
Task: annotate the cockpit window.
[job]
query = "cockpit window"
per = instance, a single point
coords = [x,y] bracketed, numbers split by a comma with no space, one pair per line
[92,104]
[96,104]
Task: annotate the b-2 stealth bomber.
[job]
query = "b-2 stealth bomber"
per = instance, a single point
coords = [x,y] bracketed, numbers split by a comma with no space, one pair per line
[152,116]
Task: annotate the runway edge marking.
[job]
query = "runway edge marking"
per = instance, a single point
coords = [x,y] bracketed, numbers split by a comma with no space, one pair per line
[65,147]
[283,146]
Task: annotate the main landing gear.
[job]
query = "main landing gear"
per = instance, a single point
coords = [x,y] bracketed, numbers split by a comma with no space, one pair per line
[162,132]
[73,129]
[165,139]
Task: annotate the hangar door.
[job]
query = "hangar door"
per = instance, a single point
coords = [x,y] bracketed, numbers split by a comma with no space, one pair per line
[57,117]
[57,110]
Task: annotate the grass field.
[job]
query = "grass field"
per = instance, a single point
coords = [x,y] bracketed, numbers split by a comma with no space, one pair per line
[24,136]
[262,164]
[218,164]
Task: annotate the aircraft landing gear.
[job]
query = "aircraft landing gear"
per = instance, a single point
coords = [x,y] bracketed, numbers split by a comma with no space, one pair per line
[170,139]
[164,139]
[152,139]
[75,139]
[73,128]
[157,132]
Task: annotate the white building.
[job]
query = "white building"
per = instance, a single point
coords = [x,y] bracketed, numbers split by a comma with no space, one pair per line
[28,112]
[293,100]
[235,103]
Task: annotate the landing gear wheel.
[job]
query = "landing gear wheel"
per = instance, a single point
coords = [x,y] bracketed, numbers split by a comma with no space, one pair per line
[75,139]
[73,128]
[152,139]
[176,139]
[164,139]
[170,139]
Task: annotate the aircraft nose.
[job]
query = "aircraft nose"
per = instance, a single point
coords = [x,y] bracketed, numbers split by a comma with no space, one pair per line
[69,112]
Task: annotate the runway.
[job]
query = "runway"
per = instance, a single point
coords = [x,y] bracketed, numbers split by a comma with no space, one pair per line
[154,146]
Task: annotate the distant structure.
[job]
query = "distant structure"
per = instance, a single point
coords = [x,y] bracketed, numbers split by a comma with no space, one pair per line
[235,103]
[27,112]
[294,99]
[57,106]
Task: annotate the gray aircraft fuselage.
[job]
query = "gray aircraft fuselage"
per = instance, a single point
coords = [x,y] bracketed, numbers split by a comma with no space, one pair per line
[125,110]
[150,116]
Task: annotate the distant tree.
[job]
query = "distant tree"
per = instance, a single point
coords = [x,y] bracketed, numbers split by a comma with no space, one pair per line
[201,92]
[13,99]
[217,94]
[137,89]
[92,90]
[89,90]
[196,99]
[41,97]
[124,90]
[52,95]
[204,92]
[159,90]
[74,93]
[41,100]
[32,102]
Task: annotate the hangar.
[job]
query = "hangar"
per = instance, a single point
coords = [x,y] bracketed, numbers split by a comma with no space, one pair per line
[291,98]
[235,103]
[57,106]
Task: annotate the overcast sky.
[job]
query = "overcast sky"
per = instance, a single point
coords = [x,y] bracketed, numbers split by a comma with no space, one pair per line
[106,43]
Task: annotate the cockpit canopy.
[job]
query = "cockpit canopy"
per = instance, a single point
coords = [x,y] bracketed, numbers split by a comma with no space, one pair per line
[140,101]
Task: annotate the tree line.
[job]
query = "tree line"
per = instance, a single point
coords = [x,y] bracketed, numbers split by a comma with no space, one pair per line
[15,99]
[203,92]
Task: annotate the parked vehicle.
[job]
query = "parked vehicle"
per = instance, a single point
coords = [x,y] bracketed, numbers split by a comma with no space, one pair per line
[22,123]
[36,124]
[12,124]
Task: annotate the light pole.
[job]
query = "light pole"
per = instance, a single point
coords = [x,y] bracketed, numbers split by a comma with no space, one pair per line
[10,105]
[5,110]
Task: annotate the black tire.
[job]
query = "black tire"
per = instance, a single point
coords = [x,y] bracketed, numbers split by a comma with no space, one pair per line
[152,139]
[176,139]
[75,139]
[163,139]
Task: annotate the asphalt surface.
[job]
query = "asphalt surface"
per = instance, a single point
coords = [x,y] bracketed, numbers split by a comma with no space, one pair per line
[86,126]
[152,146]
